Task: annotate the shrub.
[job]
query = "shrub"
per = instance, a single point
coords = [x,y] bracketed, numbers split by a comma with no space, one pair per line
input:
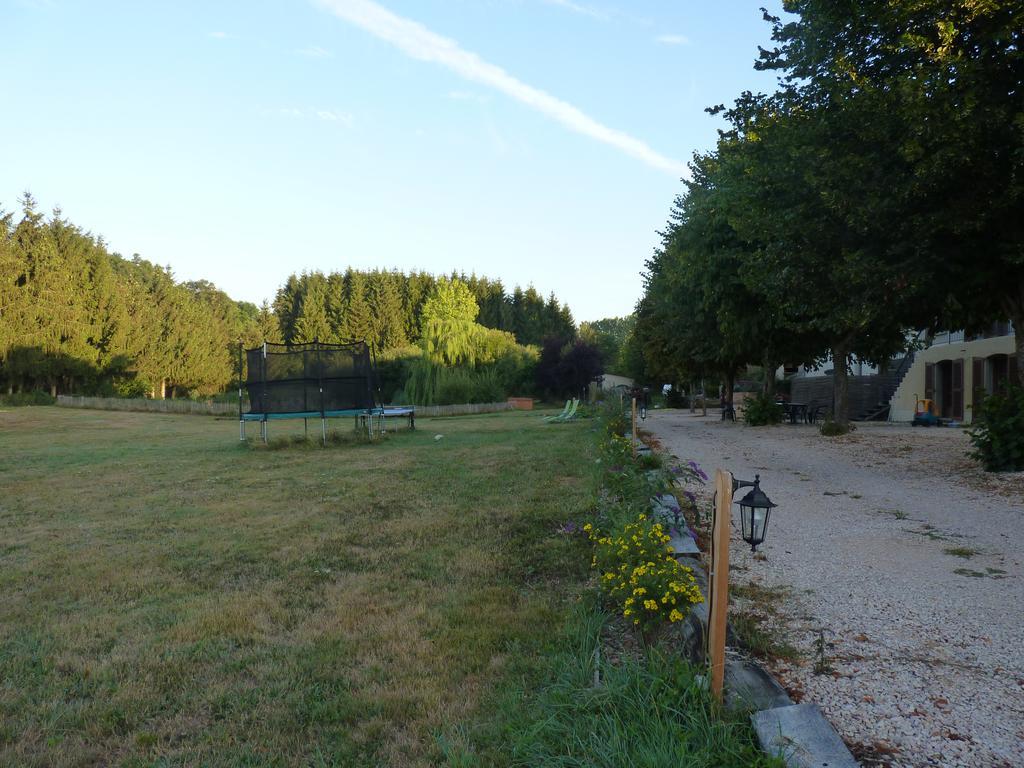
[997,433]
[676,399]
[761,410]
[830,428]
[33,397]
[640,575]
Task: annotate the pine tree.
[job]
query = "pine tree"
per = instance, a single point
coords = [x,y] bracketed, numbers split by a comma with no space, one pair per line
[312,323]
[358,316]
[386,309]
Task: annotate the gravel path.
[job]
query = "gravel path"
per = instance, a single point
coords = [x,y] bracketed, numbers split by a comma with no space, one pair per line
[926,646]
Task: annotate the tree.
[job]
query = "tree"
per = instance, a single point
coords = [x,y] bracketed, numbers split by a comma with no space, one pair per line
[358,315]
[311,323]
[914,115]
[450,331]
[386,310]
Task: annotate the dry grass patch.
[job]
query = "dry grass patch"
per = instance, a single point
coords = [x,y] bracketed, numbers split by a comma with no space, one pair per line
[170,598]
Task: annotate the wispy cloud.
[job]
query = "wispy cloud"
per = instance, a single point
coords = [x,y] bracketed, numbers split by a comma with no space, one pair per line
[418,42]
[327,115]
[315,52]
[672,39]
[334,116]
[466,96]
[584,10]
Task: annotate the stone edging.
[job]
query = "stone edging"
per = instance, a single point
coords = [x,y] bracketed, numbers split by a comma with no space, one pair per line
[798,733]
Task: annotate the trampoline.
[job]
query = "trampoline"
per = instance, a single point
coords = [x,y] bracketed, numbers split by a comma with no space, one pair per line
[310,381]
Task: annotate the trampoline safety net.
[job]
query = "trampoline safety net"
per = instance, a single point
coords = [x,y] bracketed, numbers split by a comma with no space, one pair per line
[293,379]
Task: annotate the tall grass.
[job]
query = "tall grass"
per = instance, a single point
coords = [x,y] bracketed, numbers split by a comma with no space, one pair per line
[649,709]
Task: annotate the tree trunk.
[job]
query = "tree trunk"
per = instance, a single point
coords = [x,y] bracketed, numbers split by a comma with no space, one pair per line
[840,383]
[703,398]
[693,397]
[730,386]
[769,378]
[163,389]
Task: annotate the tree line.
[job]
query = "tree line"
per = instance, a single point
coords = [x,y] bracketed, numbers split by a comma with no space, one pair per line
[75,317]
[385,308]
[879,189]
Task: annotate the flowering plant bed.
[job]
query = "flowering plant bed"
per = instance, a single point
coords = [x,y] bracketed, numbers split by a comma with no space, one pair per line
[641,577]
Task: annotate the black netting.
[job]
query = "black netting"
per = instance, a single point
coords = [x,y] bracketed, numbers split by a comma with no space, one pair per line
[288,379]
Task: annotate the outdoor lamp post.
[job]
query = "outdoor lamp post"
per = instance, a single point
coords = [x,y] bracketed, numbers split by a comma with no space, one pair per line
[755,509]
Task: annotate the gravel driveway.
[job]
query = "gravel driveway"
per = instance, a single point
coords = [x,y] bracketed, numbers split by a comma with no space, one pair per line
[908,558]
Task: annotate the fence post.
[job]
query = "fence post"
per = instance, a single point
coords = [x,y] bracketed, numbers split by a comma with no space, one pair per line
[718,580]
[634,427]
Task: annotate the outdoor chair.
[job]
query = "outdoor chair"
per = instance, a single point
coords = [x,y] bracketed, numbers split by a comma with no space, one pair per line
[570,415]
[728,412]
[561,415]
[815,412]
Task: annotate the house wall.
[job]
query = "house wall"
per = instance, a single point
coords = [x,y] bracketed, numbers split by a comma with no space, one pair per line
[913,385]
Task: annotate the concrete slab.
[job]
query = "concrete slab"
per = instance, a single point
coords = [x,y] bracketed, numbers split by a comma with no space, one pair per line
[683,544]
[749,686]
[801,736]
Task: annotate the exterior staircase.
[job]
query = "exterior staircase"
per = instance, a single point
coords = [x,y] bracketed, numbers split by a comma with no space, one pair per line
[885,385]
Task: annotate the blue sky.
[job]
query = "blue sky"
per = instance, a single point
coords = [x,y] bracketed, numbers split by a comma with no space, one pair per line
[537,141]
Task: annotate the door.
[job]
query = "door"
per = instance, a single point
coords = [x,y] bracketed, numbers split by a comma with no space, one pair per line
[929,381]
[977,383]
[957,390]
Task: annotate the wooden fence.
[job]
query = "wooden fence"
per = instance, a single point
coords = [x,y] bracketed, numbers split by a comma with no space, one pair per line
[199,407]
[210,408]
[463,409]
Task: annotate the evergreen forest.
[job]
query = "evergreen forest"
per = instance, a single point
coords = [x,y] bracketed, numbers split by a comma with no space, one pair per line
[76,318]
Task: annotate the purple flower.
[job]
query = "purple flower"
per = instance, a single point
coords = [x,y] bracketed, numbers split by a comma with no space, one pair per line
[696,468]
[690,495]
[569,528]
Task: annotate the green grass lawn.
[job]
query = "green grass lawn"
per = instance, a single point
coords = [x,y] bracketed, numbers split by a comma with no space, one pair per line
[169,597]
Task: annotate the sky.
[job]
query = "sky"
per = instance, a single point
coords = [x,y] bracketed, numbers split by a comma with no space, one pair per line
[537,141]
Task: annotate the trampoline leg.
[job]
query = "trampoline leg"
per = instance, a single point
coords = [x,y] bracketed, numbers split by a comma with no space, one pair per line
[241,430]
[323,430]
[305,428]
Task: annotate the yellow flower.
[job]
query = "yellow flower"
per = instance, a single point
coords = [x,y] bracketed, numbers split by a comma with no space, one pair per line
[651,605]
[675,615]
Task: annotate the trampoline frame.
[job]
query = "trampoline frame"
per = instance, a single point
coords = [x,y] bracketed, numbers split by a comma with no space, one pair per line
[372,418]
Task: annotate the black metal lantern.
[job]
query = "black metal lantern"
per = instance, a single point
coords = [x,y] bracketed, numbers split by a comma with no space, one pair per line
[755,508]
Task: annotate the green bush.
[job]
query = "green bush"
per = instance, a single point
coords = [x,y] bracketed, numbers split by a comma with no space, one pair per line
[761,410]
[34,397]
[830,428]
[997,433]
[676,399]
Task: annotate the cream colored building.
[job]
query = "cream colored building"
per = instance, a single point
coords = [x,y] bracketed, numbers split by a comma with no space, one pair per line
[956,371]
[608,383]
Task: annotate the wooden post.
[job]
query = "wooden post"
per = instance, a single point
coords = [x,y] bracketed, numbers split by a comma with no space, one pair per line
[718,580]
[634,427]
